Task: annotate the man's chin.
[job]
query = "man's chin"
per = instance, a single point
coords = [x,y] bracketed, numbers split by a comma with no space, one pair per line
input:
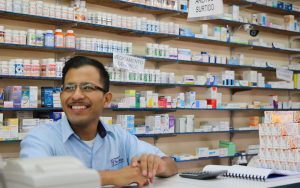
[78,122]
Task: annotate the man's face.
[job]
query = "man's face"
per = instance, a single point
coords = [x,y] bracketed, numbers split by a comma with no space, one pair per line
[83,107]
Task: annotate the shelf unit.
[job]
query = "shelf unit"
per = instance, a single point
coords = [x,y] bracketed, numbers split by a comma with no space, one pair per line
[129,32]
[156,59]
[154,109]
[161,135]
[158,11]
[215,157]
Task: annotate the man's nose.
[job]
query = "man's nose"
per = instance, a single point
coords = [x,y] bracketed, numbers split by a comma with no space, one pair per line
[78,94]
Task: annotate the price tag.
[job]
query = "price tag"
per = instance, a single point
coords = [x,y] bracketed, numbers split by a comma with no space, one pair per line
[284,74]
[128,62]
[204,9]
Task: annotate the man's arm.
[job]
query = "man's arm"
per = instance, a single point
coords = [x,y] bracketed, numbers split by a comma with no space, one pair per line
[171,168]
[123,177]
[34,146]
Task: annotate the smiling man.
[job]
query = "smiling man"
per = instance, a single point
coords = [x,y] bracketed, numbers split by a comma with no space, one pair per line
[120,157]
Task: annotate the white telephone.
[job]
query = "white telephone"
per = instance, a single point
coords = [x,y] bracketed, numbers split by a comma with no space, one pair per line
[49,172]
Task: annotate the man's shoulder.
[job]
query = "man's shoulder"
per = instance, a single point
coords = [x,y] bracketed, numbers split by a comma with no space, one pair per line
[115,129]
[45,129]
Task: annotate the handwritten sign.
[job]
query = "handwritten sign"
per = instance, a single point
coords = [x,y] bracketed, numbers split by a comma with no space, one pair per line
[284,74]
[204,9]
[128,62]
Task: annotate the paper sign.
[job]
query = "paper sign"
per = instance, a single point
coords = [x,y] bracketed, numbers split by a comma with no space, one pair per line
[128,62]
[284,74]
[204,9]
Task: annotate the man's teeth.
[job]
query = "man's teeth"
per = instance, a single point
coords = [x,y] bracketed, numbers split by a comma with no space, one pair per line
[78,107]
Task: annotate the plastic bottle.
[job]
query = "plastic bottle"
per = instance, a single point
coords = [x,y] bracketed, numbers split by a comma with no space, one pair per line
[2,33]
[27,67]
[59,67]
[5,68]
[35,68]
[49,39]
[31,37]
[58,39]
[70,39]
[51,68]
[2,4]
[39,38]
[8,36]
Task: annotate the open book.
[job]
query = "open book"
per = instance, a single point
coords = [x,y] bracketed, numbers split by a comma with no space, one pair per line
[252,173]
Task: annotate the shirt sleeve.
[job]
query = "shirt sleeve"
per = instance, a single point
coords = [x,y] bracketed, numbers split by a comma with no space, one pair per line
[136,147]
[34,146]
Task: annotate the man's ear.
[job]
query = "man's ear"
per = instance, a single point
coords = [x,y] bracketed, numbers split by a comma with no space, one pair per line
[107,99]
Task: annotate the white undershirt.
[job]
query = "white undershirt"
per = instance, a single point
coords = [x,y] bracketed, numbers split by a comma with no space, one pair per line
[90,143]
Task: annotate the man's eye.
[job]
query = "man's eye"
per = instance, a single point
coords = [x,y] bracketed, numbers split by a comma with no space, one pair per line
[88,87]
[69,88]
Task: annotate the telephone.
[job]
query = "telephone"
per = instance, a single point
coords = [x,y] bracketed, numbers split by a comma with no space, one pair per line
[49,172]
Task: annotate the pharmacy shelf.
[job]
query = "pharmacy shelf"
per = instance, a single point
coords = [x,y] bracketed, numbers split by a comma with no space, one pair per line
[29,77]
[237,45]
[161,135]
[129,32]
[110,55]
[159,11]
[31,109]
[10,141]
[149,109]
[135,7]
[202,109]
[118,83]
[217,132]
[237,88]
[82,25]
[234,88]
[215,157]
[174,61]
[234,23]
[34,48]
[36,19]
[195,133]
[123,31]
[145,109]
[262,8]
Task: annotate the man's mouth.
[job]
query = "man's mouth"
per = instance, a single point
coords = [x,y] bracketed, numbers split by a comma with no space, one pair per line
[78,107]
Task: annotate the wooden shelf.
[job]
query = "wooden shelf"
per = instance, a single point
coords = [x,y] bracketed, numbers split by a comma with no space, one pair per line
[234,23]
[36,19]
[118,83]
[135,7]
[261,8]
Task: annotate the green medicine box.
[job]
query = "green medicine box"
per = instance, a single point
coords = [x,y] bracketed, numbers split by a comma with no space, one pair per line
[229,145]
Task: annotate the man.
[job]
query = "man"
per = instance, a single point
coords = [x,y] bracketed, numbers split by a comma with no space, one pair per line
[120,157]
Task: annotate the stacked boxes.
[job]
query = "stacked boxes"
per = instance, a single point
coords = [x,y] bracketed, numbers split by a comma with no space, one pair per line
[9,130]
[185,124]
[279,139]
[126,122]
[50,97]
[20,97]
[229,145]
[161,123]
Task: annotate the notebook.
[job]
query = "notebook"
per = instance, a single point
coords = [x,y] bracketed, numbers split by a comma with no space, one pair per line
[251,173]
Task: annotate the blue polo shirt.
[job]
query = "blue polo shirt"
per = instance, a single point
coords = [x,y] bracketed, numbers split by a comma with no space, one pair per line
[113,147]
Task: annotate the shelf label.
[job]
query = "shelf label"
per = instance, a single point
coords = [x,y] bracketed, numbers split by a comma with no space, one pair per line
[205,9]
[128,62]
[284,74]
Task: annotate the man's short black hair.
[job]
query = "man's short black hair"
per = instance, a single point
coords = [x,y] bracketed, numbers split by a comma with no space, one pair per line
[79,61]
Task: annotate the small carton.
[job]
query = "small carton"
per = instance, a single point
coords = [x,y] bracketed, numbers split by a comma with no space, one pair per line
[202,152]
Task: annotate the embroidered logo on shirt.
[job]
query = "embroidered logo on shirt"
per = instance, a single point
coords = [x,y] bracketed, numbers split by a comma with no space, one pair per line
[116,161]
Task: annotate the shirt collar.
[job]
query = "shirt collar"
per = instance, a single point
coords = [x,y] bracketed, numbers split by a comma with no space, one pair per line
[67,131]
